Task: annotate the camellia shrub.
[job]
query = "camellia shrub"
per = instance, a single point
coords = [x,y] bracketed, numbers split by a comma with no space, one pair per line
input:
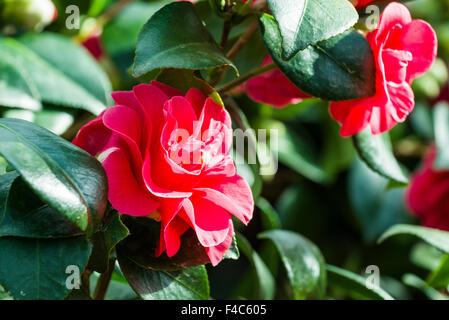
[225,149]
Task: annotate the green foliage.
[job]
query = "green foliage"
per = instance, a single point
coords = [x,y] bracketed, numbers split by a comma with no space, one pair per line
[175,37]
[303,262]
[306,22]
[341,68]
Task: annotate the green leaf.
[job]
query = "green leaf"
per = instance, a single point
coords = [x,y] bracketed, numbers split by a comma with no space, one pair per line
[186,284]
[306,22]
[375,151]
[439,278]
[303,261]
[376,208]
[437,238]
[23,214]
[60,71]
[354,283]
[341,68]
[65,177]
[175,37]
[270,218]
[16,90]
[441,124]
[266,284]
[36,268]
[105,240]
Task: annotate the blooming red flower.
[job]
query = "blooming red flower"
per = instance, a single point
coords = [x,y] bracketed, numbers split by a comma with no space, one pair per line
[428,195]
[403,49]
[273,88]
[166,151]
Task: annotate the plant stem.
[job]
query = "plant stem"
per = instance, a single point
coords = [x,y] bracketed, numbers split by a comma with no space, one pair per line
[219,74]
[227,26]
[113,11]
[85,280]
[103,282]
[243,40]
[237,82]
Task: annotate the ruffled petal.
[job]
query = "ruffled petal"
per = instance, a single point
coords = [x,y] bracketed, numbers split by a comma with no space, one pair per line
[126,195]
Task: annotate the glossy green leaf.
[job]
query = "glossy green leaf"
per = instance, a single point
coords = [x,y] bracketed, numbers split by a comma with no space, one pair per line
[175,37]
[23,214]
[306,22]
[375,151]
[233,252]
[104,241]
[439,278]
[270,218]
[441,125]
[36,268]
[266,284]
[186,284]
[354,283]
[437,238]
[61,72]
[341,68]
[65,177]
[303,261]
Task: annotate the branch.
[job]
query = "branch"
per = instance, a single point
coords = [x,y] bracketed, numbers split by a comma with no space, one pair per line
[103,282]
[239,81]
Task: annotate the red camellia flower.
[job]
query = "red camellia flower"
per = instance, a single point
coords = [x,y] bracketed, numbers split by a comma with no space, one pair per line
[273,88]
[428,195]
[166,151]
[403,49]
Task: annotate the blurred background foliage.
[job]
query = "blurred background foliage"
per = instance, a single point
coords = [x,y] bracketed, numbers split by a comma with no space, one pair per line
[321,190]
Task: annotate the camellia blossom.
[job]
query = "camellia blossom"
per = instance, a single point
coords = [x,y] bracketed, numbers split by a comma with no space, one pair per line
[273,88]
[428,195]
[166,151]
[403,50]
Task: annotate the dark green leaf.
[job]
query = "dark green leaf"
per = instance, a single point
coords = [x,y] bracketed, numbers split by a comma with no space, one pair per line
[270,218]
[175,37]
[354,283]
[23,214]
[374,150]
[266,284]
[306,22]
[105,240]
[303,261]
[186,284]
[341,68]
[65,177]
[437,238]
[36,268]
